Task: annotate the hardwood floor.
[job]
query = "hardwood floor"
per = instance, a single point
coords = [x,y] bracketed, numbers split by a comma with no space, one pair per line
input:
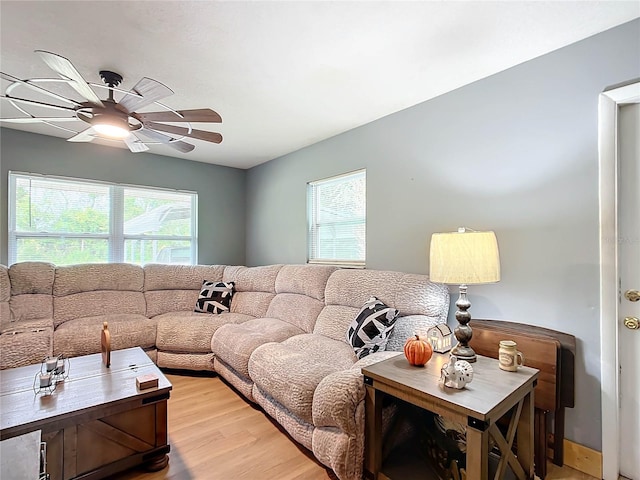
[217,435]
[561,473]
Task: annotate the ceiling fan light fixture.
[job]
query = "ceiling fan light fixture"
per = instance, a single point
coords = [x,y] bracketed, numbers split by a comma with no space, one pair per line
[111,119]
[111,131]
[111,127]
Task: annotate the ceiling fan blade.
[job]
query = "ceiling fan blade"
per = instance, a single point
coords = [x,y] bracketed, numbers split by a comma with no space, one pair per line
[197,115]
[63,67]
[39,119]
[151,91]
[36,88]
[37,104]
[181,146]
[199,134]
[135,144]
[84,136]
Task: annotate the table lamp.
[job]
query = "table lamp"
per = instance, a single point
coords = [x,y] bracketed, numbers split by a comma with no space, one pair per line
[462,258]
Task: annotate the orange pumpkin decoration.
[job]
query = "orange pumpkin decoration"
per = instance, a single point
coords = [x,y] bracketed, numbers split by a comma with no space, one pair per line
[417,351]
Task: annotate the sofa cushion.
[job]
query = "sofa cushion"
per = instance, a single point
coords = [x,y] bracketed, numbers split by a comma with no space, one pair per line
[90,290]
[353,287]
[89,304]
[215,297]
[92,277]
[255,288]
[25,344]
[191,332]
[5,284]
[185,361]
[33,324]
[407,327]
[300,430]
[171,288]
[255,304]
[348,289]
[81,336]
[291,370]
[5,294]
[165,301]
[416,295]
[370,330]
[300,294]
[234,344]
[252,279]
[31,306]
[31,291]
[296,309]
[32,277]
[308,280]
[179,277]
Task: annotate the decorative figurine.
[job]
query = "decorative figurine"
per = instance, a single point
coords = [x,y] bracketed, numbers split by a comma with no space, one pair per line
[417,351]
[105,343]
[440,338]
[456,373]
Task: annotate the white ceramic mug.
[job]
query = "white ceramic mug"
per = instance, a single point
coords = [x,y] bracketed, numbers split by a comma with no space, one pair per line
[509,356]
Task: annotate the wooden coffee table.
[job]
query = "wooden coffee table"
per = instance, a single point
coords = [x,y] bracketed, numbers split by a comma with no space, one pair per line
[96,422]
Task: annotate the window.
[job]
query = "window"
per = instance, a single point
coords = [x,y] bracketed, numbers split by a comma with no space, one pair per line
[337,219]
[67,221]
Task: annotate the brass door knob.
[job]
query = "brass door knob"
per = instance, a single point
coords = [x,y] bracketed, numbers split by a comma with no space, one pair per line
[631,323]
[632,295]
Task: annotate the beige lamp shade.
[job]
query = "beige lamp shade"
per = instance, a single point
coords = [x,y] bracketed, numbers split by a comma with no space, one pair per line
[464,257]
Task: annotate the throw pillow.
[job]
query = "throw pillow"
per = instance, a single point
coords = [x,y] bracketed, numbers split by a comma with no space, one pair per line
[370,330]
[215,297]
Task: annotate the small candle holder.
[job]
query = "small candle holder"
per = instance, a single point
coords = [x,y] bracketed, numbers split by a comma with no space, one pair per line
[61,371]
[44,382]
[50,363]
[52,371]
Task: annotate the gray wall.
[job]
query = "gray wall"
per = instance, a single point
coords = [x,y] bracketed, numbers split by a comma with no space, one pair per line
[221,190]
[516,153]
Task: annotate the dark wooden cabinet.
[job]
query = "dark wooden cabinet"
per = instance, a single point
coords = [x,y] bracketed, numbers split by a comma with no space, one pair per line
[556,385]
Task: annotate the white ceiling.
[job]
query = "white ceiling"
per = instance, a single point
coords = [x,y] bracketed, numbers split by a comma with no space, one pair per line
[284,75]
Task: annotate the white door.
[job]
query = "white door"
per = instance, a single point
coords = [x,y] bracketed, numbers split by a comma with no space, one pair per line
[629,308]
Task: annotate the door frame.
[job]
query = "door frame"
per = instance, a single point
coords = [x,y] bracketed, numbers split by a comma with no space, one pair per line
[608,104]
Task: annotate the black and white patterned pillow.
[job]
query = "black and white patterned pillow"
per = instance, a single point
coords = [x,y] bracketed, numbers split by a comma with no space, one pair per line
[215,297]
[370,330]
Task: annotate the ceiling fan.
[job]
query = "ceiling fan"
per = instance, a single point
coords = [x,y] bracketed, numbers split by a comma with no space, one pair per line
[121,120]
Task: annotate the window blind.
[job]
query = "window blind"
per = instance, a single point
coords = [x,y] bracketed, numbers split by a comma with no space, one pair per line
[337,219]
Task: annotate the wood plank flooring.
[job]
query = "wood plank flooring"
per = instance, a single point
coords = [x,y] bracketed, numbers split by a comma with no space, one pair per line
[215,434]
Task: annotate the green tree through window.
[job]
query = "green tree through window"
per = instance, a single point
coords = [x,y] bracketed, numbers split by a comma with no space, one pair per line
[67,221]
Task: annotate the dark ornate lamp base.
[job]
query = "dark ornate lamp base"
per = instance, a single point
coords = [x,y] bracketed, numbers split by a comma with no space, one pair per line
[463,331]
[464,353]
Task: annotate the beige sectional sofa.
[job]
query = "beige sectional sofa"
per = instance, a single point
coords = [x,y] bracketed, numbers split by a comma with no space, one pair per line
[282,344]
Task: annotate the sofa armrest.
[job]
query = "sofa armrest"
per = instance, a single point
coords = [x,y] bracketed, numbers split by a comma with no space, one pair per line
[338,396]
[374,358]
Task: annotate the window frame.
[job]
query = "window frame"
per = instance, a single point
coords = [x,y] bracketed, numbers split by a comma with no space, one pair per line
[116,237]
[313,244]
